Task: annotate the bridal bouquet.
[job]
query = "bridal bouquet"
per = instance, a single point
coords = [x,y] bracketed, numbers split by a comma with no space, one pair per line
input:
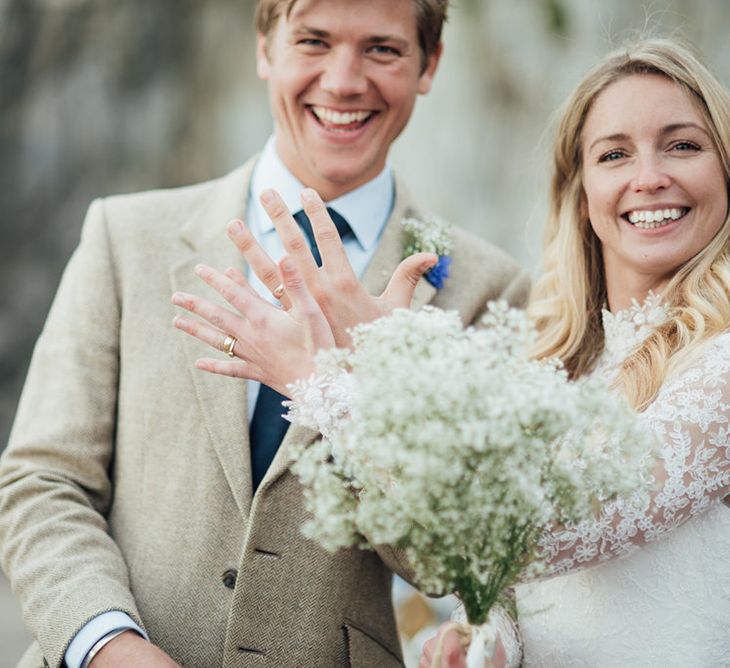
[456,447]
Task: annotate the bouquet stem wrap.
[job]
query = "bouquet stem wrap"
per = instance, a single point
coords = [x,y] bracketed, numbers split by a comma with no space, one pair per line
[478,641]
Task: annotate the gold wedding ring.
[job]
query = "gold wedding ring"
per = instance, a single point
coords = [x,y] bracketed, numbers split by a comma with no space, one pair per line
[278,291]
[228,345]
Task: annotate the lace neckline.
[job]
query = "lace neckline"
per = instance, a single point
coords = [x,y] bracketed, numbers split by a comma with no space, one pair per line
[625,330]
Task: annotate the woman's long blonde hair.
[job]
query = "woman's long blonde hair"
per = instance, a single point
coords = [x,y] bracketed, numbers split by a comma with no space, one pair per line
[567,300]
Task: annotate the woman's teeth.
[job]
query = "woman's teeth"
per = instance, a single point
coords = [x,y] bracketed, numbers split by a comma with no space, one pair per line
[648,220]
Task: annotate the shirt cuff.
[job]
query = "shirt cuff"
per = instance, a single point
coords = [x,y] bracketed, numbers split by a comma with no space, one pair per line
[94,630]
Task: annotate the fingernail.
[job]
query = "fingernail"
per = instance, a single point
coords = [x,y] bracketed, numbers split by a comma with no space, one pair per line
[199,269]
[287,264]
[268,196]
[309,196]
[177,299]
[235,227]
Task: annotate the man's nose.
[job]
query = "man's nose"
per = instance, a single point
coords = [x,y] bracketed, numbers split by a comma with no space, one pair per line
[344,74]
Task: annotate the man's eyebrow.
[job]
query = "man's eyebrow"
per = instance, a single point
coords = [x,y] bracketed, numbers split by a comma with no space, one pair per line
[382,39]
[305,30]
[666,130]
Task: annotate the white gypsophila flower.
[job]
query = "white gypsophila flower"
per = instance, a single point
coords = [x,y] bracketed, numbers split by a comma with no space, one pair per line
[429,235]
[454,445]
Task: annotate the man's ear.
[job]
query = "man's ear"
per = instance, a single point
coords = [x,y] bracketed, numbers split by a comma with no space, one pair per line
[263,66]
[426,78]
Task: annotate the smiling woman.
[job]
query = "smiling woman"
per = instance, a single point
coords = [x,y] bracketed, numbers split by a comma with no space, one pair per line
[654,183]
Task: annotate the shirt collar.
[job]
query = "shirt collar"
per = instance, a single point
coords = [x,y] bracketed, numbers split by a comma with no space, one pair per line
[366,209]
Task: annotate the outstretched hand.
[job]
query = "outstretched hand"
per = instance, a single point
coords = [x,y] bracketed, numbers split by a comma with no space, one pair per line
[272,346]
[320,304]
[335,287]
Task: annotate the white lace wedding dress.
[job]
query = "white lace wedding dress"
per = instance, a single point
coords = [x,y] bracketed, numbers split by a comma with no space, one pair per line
[666,601]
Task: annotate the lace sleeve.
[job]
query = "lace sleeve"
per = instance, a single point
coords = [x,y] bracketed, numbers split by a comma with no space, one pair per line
[509,634]
[690,419]
[321,402]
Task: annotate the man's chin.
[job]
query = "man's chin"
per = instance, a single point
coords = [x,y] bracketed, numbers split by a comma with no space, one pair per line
[342,179]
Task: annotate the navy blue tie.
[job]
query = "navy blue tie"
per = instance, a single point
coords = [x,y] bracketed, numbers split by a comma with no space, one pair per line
[268,427]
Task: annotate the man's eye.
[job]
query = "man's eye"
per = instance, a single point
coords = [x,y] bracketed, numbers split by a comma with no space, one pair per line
[383,50]
[312,41]
[610,156]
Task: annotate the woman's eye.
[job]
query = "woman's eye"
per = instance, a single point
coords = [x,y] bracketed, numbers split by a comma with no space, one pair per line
[685,146]
[610,156]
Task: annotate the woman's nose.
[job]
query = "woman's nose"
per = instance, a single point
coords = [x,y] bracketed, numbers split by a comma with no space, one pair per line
[650,175]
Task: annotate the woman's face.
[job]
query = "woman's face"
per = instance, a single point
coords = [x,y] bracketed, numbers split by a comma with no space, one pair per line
[653,181]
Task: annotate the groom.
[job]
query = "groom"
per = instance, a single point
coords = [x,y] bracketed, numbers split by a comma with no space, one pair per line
[131,525]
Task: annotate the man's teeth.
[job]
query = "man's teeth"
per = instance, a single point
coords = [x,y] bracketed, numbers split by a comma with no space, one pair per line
[340,117]
[647,220]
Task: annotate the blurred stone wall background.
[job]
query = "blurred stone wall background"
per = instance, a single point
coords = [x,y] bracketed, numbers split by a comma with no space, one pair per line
[98,97]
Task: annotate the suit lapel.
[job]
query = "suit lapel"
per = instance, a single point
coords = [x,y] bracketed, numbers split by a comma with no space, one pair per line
[222,401]
[385,260]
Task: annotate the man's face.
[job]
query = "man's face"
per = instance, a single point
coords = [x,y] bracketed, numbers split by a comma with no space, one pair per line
[343,77]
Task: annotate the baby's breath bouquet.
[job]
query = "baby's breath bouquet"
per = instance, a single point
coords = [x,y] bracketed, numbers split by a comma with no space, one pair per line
[453,445]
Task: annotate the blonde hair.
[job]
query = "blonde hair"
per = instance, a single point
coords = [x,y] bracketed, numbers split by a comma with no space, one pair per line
[567,300]
[430,18]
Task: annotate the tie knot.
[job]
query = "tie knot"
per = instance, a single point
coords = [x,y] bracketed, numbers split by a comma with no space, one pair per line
[343,229]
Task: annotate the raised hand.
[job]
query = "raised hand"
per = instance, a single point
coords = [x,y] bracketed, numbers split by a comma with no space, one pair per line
[334,286]
[273,346]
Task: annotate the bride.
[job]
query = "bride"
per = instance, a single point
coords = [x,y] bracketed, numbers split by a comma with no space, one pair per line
[636,290]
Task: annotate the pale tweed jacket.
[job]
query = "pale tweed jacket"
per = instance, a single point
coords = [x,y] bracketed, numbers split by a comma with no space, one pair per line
[126,484]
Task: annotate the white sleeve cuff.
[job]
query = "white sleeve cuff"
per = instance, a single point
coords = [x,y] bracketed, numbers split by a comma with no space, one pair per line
[94,630]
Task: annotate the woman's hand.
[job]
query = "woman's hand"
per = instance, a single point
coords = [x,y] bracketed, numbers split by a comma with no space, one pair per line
[453,652]
[334,286]
[273,346]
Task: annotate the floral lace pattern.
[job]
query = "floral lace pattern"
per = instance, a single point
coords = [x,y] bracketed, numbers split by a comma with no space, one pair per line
[690,420]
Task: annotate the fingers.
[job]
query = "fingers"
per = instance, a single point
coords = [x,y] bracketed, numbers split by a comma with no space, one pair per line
[316,326]
[256,257]
[202,331]
[237,369]
[239,279]
[243,298]
[453,655]
[427,654]
[295,243]
[402,284]
[499,660]
[328,239]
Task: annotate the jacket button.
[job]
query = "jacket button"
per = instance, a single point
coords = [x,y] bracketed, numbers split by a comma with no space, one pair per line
[229,578]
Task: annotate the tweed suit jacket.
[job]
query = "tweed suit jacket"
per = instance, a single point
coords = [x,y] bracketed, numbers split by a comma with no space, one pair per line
[126,483]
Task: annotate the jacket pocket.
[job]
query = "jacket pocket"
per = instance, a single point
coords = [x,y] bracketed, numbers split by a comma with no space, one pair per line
[364,650]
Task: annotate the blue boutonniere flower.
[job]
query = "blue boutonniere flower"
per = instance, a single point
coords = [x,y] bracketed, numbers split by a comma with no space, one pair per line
[432,235]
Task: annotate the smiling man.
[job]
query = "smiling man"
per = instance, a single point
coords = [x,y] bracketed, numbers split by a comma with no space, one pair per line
[148,516]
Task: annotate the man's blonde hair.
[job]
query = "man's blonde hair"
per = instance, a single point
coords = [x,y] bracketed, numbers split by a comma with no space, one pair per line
[567,300]
[430,18]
